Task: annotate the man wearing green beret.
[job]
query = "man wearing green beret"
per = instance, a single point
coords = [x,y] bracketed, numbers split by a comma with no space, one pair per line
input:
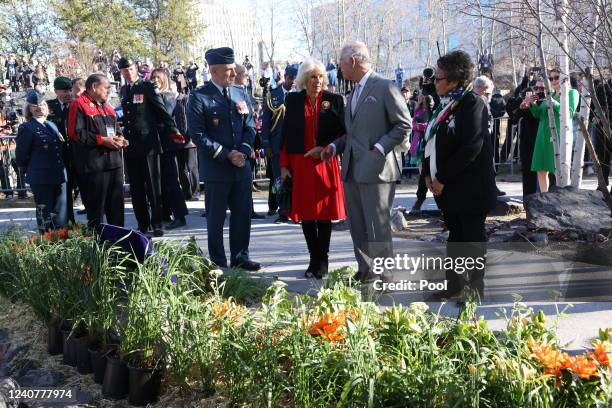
[58,114]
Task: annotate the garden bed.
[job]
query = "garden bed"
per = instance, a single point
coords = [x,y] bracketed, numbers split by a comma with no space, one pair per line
[173,312]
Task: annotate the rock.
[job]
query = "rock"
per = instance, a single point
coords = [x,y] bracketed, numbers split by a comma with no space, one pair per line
[19,368]
[507,206]
[568,208]
[40,377]
[398,220]
[4,335]
[507,235]
[539,237]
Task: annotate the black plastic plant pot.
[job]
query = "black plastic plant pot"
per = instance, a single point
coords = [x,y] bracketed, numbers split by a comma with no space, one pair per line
[98,364]
[116,382]
[82,355]
[55,343]
[144,385]
[69,349]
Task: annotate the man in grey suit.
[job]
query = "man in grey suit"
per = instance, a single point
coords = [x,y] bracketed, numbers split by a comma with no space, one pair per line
[377,122]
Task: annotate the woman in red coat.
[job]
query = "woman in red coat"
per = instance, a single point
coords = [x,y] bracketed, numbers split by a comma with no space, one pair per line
[313,119]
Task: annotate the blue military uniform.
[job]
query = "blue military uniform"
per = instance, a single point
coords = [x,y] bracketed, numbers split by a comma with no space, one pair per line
[40,151]
[218,124]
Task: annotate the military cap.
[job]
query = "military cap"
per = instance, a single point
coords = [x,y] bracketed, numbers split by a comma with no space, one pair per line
[124,63]
[34,97]
[62,83]
[218,56]
[291,70]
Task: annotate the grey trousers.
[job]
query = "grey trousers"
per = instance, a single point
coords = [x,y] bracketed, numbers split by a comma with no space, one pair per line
[369,207]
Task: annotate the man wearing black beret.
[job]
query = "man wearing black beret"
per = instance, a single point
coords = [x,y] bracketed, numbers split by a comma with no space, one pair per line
[222,126]
[58,114]
[145,121]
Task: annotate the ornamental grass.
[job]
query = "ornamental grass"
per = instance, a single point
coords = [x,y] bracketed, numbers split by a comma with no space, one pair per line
[214,332]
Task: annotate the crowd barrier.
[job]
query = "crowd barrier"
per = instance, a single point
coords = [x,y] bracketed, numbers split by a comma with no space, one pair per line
[506,144]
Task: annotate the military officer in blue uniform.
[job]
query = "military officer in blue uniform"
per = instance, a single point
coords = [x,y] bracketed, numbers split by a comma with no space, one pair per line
[221,125]
[271,131]
[40,155]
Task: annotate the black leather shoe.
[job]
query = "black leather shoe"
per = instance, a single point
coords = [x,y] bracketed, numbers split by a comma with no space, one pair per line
[256,216]
[177,223]
[157,232]
[441,295]
[271,213]
[282,219]
[246,264]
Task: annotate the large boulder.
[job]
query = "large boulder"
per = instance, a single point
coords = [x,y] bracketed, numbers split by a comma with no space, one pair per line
[568,208]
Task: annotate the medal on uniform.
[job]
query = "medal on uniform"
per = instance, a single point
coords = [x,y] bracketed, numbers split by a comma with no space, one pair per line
[138,98]
[242,108]
[215,122]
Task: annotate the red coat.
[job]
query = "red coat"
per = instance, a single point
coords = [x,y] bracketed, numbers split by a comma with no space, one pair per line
[317,188]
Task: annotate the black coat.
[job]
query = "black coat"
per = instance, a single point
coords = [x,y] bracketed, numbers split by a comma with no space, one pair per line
[331,120]
[145,118]
[464,159]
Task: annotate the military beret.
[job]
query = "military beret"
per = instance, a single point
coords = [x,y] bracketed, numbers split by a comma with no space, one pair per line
[218,56]
[62,83]
[34,97]
[124,63]
[291,70]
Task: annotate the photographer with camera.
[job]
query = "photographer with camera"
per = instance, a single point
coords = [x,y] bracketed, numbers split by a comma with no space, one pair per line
[543,161]
[518,111]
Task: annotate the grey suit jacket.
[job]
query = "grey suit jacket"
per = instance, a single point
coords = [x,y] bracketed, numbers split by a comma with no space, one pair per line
[381,116]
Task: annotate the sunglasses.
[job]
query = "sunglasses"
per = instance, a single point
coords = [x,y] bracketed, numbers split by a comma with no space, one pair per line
[554,78]
[538,88]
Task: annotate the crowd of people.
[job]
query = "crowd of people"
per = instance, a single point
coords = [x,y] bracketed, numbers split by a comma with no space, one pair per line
[336,137]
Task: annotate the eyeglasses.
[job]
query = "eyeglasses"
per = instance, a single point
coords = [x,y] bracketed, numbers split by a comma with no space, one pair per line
[439,79]
[555,78]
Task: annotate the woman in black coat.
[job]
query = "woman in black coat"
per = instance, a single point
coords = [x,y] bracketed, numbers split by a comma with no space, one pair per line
[458,167]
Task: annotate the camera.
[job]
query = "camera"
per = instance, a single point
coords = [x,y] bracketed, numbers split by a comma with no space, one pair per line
[541,95]
[264,81]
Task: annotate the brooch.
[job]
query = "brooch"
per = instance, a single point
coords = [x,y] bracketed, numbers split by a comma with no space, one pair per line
[325,105]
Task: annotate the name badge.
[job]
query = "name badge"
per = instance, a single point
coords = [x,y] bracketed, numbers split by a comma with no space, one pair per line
[110,131]
[138,98]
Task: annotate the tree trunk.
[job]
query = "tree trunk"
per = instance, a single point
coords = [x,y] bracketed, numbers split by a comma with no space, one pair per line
[585,111]
[549,101]
[565,131]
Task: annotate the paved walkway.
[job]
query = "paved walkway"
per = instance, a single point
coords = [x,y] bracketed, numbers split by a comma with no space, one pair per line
[282,251]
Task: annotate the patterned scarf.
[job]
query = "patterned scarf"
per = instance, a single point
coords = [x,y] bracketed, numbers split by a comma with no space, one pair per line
[442,112]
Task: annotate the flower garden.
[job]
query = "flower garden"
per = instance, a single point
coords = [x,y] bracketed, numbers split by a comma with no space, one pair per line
[174,322]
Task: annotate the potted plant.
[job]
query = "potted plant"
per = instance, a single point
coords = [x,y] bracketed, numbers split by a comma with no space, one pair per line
[141,339]
[103,275]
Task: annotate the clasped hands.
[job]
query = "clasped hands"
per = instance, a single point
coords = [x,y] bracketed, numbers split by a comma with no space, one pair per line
[116,142]
[236,158]
[434,186]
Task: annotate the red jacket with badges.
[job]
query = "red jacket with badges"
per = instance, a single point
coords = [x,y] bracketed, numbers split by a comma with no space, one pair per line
[88,122]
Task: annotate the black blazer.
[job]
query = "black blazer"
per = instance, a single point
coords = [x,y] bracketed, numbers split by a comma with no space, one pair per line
[145,118]
[464,159]
[331,120]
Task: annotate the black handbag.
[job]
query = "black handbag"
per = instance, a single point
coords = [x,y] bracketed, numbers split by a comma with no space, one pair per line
[284,195]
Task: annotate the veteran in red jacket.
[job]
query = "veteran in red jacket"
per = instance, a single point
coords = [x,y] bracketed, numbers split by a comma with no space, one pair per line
[96,152]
